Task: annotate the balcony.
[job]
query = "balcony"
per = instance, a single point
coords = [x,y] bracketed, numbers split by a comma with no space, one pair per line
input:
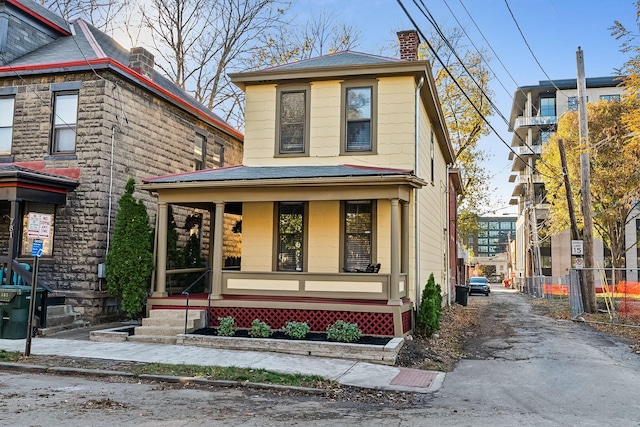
[529,150]
[524,178]
[535,121]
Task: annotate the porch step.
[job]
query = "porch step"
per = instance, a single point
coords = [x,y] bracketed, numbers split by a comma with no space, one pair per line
[165,322]
[159,339]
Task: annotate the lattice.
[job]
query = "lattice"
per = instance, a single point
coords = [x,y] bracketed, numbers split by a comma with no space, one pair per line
[406,321]
[370,323]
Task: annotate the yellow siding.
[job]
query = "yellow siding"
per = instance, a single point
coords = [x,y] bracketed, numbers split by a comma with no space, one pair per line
[396,124]
[324,237]
[257,231]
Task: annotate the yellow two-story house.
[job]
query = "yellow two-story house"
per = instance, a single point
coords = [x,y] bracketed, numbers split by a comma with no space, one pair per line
[343,197]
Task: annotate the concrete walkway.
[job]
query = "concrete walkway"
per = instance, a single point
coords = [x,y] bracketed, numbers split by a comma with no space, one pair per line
[351,373]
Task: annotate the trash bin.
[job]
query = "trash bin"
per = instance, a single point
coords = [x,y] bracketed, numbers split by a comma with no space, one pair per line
[14,311]
[462,292]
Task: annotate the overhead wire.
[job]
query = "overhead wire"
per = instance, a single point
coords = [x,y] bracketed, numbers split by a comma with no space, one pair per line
[429,18]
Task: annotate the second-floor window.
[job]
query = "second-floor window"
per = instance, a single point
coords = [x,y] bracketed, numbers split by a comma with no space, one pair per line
[6,124]
[218,152]
[65,115]
[358,118]
[199,152]
[292,130]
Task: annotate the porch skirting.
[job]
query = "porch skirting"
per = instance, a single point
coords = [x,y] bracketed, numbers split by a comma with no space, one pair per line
[373,317]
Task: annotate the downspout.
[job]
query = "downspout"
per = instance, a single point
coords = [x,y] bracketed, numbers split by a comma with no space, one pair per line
[417,197]
[447,235]
[113,137]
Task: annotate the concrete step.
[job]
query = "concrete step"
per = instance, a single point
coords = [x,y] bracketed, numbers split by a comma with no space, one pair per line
[160,339]
[177,314]
[64,319]
[51,330]
[191,323]
[160,330]
[60,310]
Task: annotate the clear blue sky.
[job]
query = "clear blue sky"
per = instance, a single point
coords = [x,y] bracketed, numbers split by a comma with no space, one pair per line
[553,29]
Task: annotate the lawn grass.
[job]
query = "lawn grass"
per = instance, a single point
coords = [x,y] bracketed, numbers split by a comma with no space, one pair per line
[9,356]
[232,374]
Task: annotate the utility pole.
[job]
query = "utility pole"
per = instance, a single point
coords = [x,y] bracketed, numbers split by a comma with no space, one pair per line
[588,285]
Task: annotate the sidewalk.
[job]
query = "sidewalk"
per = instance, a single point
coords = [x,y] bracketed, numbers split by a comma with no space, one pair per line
[358,374]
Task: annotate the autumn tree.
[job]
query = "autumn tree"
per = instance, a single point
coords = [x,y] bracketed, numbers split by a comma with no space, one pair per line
[615,173]
[462,78]
[101,14]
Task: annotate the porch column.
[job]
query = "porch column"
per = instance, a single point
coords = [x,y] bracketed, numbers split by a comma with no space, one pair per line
[216,266]
[394,297]
[404,244]
[161,277]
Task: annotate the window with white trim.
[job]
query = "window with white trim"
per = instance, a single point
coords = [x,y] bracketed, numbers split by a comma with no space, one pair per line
[65,116]
[6,124]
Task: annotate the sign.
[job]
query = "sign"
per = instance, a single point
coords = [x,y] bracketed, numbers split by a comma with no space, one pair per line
[36,248]
[579,262]
[577,247]
[39,226]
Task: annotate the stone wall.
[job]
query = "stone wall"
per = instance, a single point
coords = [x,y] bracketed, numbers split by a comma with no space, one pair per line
[150,137]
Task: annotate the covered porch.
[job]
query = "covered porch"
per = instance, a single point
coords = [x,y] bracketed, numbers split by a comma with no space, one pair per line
[307,235]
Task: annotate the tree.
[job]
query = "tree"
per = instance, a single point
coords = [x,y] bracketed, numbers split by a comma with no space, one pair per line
[101,14]
[428,316]
[615,173]
[199,41]
[464,117]
[130,261]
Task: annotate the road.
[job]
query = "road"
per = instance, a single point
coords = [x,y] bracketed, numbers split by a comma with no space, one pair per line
[523,369]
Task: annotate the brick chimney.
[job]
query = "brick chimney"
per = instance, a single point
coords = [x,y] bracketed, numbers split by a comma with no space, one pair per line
[141,61]
[409,42]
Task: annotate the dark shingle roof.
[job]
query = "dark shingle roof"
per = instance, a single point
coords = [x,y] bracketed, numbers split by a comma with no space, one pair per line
[338,59]
[43,13]
[253,173]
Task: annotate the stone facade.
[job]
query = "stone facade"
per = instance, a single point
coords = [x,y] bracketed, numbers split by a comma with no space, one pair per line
[150,137]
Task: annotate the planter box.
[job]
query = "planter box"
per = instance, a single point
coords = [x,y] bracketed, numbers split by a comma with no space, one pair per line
[386,354]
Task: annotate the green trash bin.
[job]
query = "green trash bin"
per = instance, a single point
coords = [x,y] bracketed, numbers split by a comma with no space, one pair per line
[14,311]
[462,292]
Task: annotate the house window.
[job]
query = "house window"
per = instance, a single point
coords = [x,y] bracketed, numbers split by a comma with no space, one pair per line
[6,124]
[199,152]
[358,234]
[292,130]
[358,130]
[547,107]
[26,243]
[432,155]
[610,97]
[572,103]
[218,152]
[291,226]
[65,114]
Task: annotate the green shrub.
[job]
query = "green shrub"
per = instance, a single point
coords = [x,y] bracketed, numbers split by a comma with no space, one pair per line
[343,331]
[428,316]
[260,329]
[296,330]
[227,327]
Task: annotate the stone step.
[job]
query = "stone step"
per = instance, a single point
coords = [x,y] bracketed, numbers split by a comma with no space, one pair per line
[60,310]
[160,339]
[160,330]
[191,323]
[177,314]
[64,319]
[51,330]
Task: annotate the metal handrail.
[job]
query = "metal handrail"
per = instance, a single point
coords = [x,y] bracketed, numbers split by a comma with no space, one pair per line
[186,292]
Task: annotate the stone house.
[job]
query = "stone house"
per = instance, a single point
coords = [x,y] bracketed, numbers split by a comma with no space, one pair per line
[79,116]
[346,196]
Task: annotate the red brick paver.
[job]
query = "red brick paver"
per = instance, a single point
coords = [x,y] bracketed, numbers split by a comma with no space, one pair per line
[414,378]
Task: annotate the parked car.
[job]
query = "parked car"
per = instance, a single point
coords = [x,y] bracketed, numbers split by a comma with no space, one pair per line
[479,285]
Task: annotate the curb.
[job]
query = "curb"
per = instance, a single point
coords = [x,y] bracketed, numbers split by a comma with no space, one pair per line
[59,370]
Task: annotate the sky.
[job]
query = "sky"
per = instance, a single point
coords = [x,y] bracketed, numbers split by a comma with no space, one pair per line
[553,30]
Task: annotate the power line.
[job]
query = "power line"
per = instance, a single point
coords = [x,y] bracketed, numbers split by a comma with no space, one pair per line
[455,81]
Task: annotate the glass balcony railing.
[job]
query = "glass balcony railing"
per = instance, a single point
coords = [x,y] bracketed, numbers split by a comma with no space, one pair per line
[530,150]
[524,179]
[536,121]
